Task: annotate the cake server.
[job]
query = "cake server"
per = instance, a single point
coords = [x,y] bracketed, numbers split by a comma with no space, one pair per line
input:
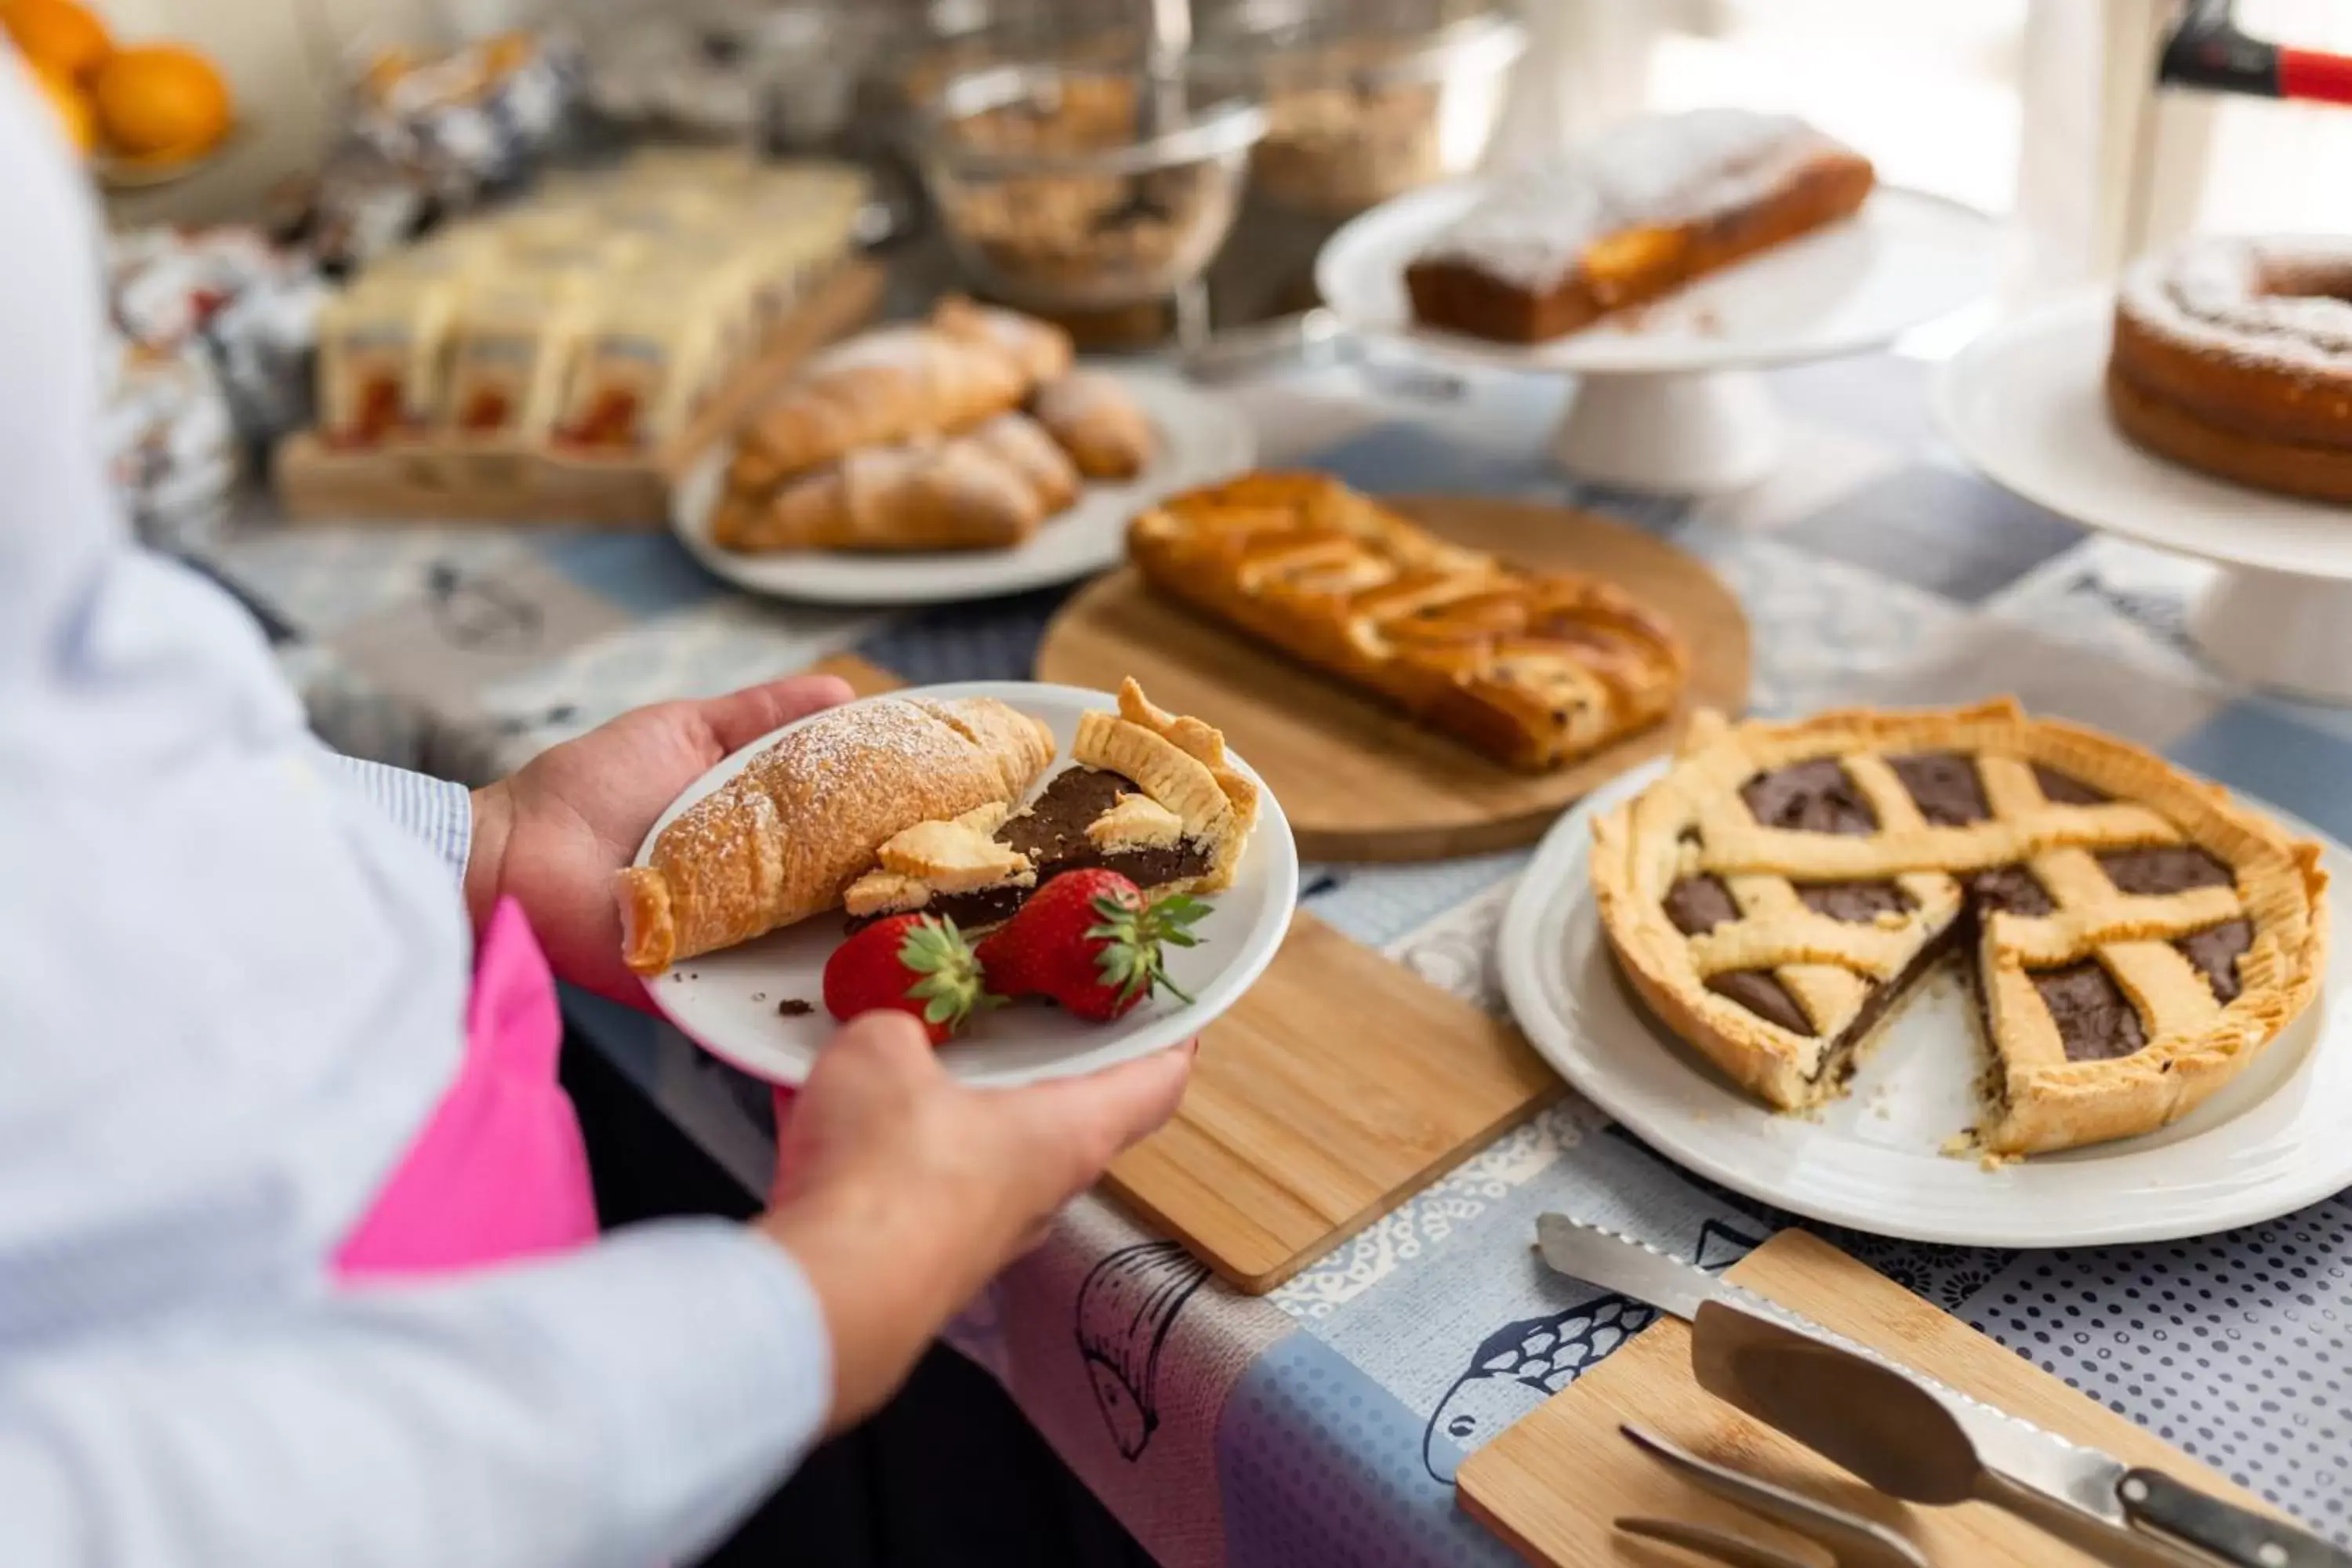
[1915,1438]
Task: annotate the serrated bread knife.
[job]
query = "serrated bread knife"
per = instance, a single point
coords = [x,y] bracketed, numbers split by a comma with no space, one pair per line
[1914,1437]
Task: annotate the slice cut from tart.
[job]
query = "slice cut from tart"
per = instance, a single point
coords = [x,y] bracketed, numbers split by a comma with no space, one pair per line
[1147,794]
[2134,937]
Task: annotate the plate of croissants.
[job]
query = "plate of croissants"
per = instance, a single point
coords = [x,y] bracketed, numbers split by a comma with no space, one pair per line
[959,456]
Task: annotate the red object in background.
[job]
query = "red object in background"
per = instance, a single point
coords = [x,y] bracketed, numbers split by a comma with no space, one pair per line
[2305,73]
[2208,50]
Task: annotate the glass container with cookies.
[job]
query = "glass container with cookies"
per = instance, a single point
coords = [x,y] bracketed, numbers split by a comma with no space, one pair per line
[1363,102]
[1054,194]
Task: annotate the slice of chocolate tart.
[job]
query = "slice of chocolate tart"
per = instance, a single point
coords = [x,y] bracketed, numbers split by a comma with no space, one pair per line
[1149,795]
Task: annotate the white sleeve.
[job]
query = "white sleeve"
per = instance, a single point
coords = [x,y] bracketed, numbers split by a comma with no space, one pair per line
[621,1406]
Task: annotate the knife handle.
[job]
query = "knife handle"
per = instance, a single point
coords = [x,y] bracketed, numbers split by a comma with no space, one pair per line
[2235,1535]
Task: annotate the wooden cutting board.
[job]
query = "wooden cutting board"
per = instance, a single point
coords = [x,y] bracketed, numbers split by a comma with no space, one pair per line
[1551,1484]
[1340,1083]
[1357,781]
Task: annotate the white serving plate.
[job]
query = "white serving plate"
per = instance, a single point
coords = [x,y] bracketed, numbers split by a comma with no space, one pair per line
[1202,439]
[2270,1142]
[727,1001]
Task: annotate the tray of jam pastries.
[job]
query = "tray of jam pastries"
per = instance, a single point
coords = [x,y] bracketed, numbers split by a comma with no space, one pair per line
[564,358]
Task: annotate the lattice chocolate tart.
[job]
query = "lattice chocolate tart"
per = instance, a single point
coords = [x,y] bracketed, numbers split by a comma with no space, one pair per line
[2138,936]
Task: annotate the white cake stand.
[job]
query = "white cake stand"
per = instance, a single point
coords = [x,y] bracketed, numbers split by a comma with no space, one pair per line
[1667,397]
[2026,404]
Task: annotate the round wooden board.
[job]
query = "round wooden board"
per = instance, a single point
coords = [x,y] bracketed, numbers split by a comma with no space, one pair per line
[1357,779]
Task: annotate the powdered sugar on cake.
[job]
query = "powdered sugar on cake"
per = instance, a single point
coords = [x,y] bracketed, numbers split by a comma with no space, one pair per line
[2216,295]
[1658,171]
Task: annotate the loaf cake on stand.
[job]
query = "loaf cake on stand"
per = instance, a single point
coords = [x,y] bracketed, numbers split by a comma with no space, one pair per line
[1661,264]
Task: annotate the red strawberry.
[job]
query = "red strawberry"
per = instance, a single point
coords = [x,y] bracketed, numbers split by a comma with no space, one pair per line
[912,963]
[1091,942]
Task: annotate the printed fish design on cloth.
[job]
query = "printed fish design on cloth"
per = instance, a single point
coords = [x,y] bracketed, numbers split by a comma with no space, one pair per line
[1523,1364]
[1127,1304]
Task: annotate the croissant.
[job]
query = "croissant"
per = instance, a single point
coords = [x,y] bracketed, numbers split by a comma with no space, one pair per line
[1021,445]
[885,385]
[985,489]
[1097,423]
[780,840]
[1041,349]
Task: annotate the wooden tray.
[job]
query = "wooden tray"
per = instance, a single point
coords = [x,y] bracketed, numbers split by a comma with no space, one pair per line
[1340,1083]
[423,482]
[1359,781]
[1551,1484]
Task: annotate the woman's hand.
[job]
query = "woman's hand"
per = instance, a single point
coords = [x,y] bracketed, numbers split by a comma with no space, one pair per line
[552,836]
[902,1192]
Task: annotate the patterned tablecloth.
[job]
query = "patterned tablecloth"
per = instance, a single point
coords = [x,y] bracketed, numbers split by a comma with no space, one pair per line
[1323,1423]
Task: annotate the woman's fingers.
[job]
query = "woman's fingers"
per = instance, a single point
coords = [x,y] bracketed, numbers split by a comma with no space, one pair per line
[741,717]
[1091,1120]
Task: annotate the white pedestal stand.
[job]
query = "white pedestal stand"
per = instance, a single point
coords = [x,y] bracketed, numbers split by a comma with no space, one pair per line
[1698,433]
[2025,403]
[2269,628]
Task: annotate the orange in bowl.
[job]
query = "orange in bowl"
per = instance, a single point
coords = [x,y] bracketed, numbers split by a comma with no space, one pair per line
[59,36]
[160,102]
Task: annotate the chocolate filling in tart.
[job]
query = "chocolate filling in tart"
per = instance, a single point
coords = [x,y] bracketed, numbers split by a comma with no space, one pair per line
[2215,951]
[1858,903]
[1699,904]
[2010,889]
[2063,789]
[2164,868]
[1052,834]
[1944,786]
[1809,797]
[1761,994]
[2096,1022]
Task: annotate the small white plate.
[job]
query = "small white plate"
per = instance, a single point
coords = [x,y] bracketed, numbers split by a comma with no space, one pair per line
[727,1002]
[2270,1142]
[1904,259]
[1202,439]
[2026,403]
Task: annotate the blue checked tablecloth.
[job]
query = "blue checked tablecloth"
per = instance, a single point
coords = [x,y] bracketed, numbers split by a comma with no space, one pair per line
[1324,1423]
